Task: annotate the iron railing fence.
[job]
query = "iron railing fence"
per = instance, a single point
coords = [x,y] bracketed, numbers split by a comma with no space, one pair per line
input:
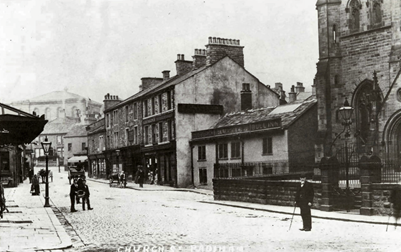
[390,171]
[260,169]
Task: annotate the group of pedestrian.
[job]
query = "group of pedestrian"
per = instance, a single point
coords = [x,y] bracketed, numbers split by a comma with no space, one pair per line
[79,189]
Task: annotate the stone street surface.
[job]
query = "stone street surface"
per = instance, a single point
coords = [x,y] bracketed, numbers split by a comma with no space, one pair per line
[130,220]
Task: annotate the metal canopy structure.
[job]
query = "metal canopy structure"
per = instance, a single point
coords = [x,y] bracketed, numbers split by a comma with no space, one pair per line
[19,127]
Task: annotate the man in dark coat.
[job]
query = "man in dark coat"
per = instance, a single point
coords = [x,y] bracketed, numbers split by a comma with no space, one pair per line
[73,193]
[30,175]
[304,200]
[80,187]
[86,196]
[140,176]
[395,199]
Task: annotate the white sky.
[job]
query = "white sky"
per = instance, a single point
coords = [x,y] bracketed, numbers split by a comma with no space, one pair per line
[94,47]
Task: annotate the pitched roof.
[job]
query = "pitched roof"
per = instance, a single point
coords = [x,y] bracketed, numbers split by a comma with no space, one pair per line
[59,126]
[77,130]
[176,80]
[288,113]
[96,127]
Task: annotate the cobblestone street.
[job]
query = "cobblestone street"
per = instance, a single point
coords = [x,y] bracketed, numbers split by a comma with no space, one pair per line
[124,219]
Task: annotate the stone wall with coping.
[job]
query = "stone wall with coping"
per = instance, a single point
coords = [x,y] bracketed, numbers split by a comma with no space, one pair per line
[269,192]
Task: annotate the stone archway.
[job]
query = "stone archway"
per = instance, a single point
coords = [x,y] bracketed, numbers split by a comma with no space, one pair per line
[366,100]
[392,142]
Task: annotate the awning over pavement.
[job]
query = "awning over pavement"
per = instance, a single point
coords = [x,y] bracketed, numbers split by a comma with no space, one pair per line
[16,129]
[76,159]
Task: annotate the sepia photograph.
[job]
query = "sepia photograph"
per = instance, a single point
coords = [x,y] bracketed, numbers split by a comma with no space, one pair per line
[200,125]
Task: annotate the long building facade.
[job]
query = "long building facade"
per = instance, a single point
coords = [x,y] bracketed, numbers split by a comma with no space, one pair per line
[153,127]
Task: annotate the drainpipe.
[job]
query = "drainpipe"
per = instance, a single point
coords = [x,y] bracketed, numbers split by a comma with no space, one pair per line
[242,150]
[217,160]
[192,163]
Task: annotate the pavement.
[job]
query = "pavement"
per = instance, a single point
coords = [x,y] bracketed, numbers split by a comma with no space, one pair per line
[351,216]
[31,227]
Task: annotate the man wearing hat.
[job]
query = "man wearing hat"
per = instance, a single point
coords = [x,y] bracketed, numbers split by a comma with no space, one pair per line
[304,199]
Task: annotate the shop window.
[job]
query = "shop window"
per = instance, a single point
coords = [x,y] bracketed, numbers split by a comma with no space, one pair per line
[236,150]
[5,161]
[267,146]
[202,153]
[223,153]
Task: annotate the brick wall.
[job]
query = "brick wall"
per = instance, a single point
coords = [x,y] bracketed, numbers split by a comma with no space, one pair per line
[260,191]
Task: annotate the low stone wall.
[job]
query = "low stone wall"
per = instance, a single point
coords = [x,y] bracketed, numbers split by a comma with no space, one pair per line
[260,191]
[381,194]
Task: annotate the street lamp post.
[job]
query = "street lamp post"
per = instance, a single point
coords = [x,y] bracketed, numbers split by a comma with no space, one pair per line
[346,113]
[46,147]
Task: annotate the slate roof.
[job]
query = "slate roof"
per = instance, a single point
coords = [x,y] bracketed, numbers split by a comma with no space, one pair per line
[77,130]
[59,126]
[96,127]
[264,114]
[174,81]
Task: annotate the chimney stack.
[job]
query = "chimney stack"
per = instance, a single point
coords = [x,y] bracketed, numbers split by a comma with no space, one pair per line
[218,48]
[246,97]
[278,86]
[183,66]
[292,95]
[110,100]
[148,82]
[199,58]
[166,75]
[299,88]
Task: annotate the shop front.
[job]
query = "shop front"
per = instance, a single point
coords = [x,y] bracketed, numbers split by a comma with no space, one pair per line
[17,128]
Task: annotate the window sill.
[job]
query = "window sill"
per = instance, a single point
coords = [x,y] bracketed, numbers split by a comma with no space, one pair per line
[235,158]
[154,115]
[356,33]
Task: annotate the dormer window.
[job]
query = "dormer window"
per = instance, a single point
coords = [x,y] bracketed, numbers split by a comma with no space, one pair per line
[246,87]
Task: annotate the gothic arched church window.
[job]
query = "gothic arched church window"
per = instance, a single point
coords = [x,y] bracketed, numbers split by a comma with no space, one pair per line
[375,14]
[354,13]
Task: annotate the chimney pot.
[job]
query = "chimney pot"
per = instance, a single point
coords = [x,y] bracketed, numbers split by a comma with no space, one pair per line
[166,75]
[178,56]
[214,40]
[210,40]
[292,96]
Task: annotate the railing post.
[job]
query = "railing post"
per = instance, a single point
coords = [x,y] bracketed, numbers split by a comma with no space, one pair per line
[366,165]
[329,177]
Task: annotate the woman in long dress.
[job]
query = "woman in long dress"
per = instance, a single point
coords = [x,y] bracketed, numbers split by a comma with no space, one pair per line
[35,190]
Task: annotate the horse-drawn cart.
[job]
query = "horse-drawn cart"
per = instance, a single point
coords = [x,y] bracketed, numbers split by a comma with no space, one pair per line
[116,179]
